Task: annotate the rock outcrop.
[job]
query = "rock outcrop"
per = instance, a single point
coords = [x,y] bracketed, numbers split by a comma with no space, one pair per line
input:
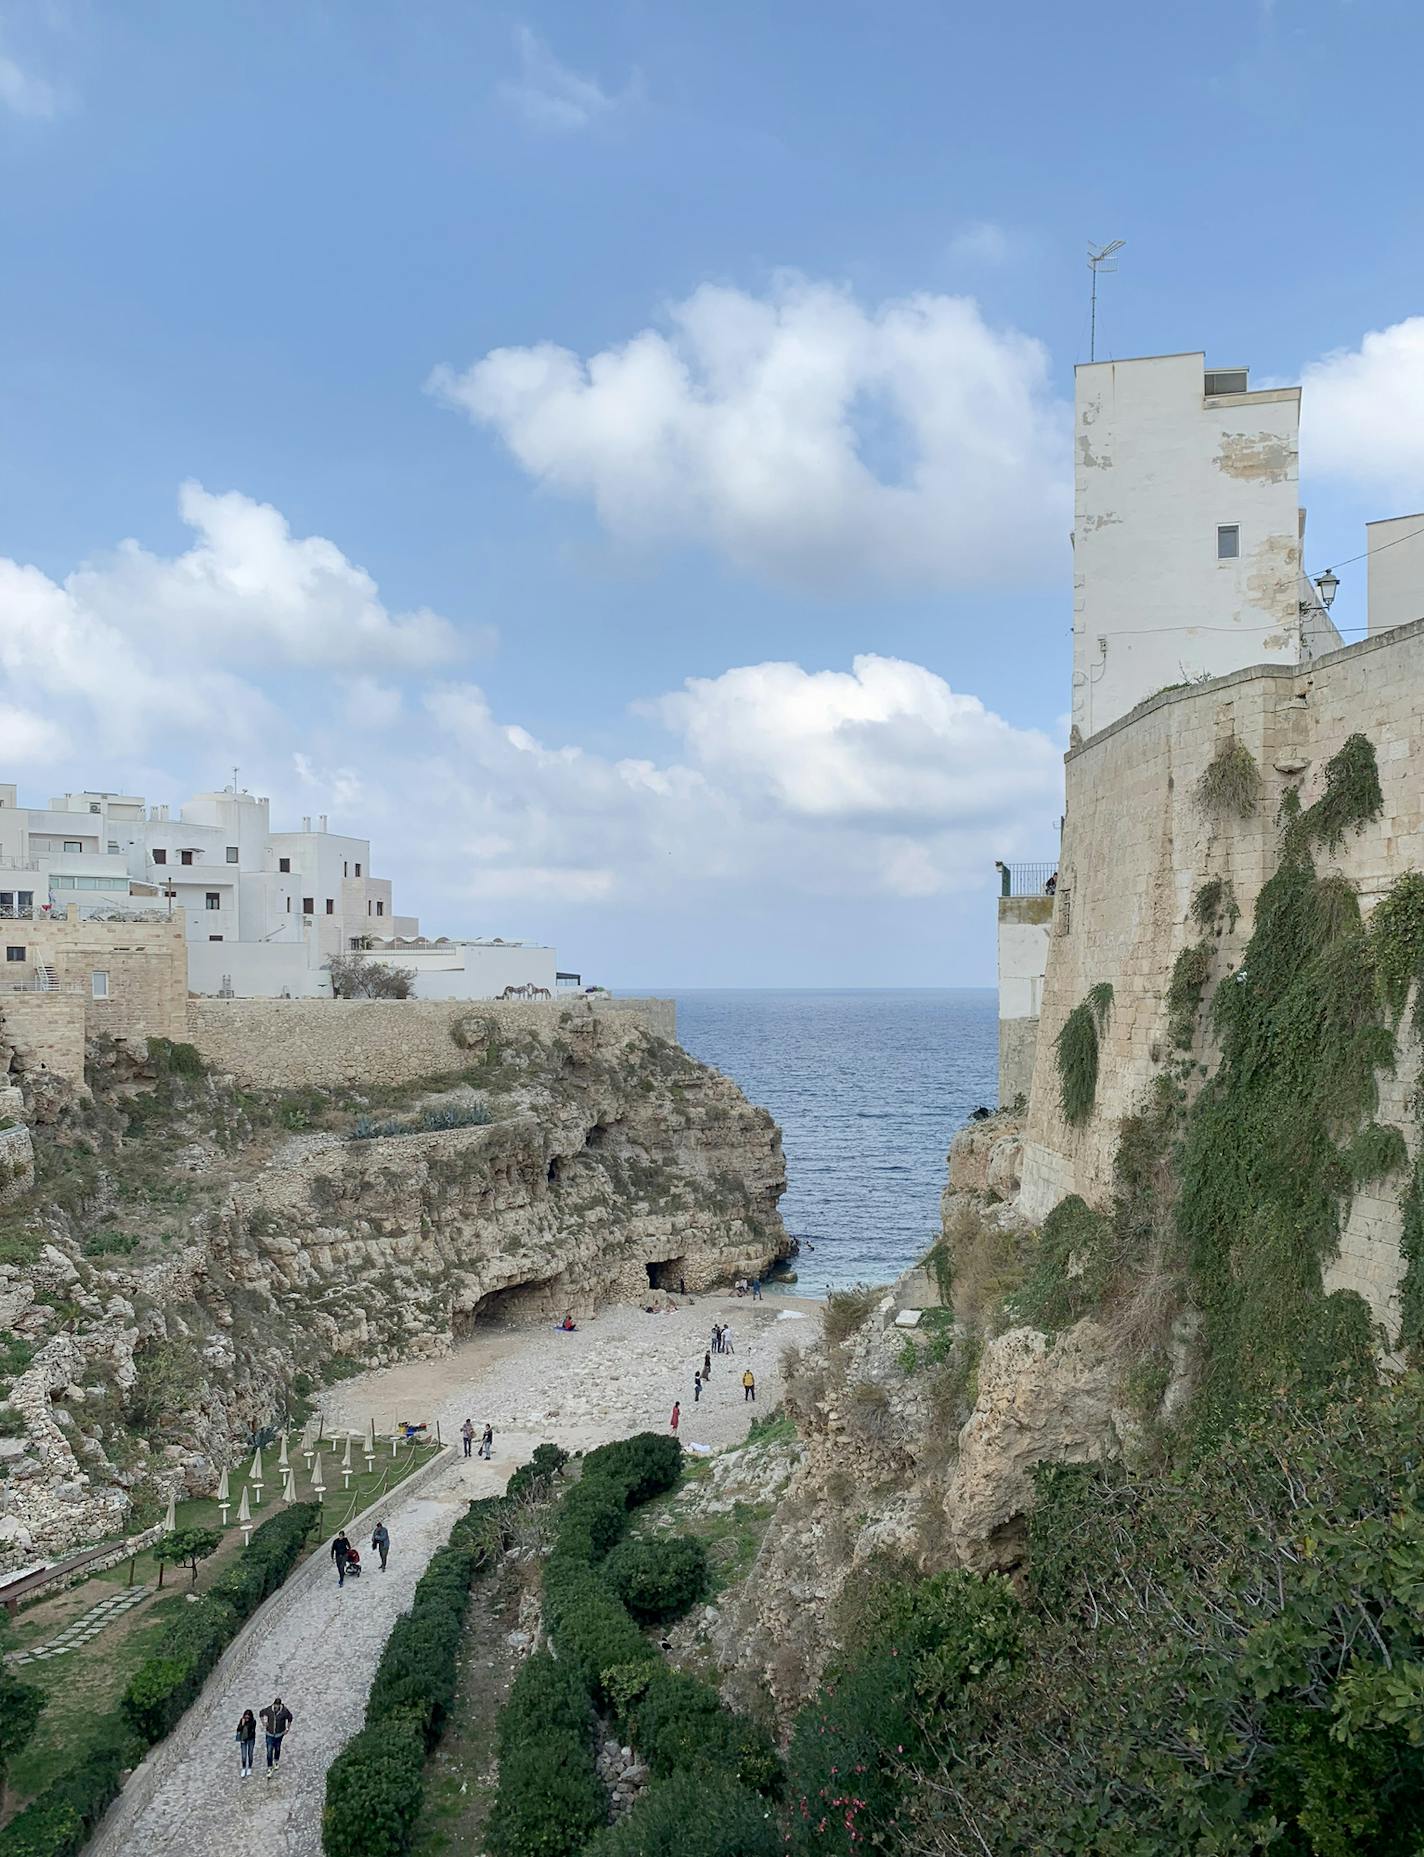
[202,1273]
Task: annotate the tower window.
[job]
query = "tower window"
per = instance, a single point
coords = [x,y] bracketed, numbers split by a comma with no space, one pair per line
[1228,541]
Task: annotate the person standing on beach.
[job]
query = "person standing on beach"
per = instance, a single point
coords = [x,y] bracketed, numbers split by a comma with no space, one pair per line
[748,1387]
[706,1368]
[247,1741]
[341,1554]
[727,1347]
[716,1338]
[276,1719]
[381,1542]
[467,1432]
[756,1289]
[696,1388]
[676,1415]
[487,1443]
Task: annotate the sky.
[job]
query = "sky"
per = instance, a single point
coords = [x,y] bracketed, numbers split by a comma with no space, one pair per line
[614,454]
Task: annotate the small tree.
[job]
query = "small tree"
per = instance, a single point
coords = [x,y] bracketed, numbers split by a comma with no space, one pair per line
[185,1547]
[355,977]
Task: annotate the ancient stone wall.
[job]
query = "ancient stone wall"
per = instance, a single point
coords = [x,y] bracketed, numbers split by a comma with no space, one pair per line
[1137,845]
[131,976]
[46,1031]
[286,1043]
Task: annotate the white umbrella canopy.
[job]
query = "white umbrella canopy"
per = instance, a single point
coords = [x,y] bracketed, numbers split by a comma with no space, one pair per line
[224,1487]
[244,1513]
[282,1453]
[170,1515]
[289,1485]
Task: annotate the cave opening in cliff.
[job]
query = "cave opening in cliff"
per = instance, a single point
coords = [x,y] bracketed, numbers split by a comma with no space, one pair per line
[667,1275]
[516,1303]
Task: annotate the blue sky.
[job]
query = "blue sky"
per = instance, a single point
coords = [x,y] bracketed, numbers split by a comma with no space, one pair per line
[695,375]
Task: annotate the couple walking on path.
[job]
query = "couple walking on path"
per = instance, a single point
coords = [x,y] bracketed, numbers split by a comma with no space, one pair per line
[467,1433]
[276,1720]
[347,1561]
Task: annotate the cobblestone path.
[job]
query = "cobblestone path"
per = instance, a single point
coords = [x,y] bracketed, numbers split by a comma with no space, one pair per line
[317,1649]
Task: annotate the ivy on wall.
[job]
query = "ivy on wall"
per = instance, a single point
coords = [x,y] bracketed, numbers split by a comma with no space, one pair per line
[1076,1051]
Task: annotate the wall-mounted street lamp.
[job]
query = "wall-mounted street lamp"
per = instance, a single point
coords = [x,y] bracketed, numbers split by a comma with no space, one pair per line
[1327,585]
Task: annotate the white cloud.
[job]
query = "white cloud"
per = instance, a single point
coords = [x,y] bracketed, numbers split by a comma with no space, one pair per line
[980,242]
[26,737]
[140,648]
[805,436]
[1362,413]
[24,94]
[551,96]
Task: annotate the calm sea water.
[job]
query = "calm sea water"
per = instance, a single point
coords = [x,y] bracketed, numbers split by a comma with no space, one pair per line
[868,1086]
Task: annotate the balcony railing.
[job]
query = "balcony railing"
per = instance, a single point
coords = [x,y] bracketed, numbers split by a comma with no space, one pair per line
[1027,879]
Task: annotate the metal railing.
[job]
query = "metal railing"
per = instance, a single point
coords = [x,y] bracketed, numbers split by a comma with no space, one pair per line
[1027,879]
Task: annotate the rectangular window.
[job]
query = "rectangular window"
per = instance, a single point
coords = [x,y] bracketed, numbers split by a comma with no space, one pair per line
[1228,541]
[232,854]
[160,856]
[14,954]
[330,907]
[284,864]
[368,906]
[1225,380]
[25,899]
[7,899]
[308,906]
[289,905]
[185,857]
[113,847]
[215,938]
[358,870]
[213,899]
[99,984]
[380,909]
[345,868]
[74,844]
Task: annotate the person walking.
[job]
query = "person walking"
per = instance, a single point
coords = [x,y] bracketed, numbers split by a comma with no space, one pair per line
[381,1542]
[756,1289]
[467,1432]
[341,1554]
[748,1387]
[706,1368]
[727,1347]
[276,1719]
[676,1415]
[696,1388]
[487,1443]
[246,1741]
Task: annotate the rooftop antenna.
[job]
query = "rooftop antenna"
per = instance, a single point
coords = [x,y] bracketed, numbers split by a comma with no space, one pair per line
[1104,260]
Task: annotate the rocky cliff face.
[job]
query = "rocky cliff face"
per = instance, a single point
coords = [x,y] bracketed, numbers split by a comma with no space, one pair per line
[192,1256]
[918,1444]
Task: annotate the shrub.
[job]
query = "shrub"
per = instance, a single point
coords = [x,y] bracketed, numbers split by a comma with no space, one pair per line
[589,1625]
[373,1791]
[645,1465]
[681,1724]
[693,1815]
[549,1804]
[1190,972]
[168,1059]
[455,1115]
[1076,1053]
[848,1310]
[354,977]
[1231,781]
[535,1477]
[658,1580]
[546,1698]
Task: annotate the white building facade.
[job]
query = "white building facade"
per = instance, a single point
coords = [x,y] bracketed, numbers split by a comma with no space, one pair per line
[263,911]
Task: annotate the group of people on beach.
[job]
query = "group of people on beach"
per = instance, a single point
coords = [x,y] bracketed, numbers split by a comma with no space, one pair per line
[276,1719]
[721,1343]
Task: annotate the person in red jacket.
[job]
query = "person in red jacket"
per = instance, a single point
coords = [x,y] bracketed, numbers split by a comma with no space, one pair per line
[676,1415]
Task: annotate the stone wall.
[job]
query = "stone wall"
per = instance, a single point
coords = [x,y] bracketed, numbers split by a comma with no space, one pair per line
[286,1043]
[46,1031]
[144,989]
[17,1161]
[1136,848]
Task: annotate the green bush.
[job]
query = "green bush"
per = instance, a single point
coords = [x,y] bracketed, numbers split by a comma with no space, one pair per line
[658,1580]
[645,1465]
[693,1815]
[680,1723]
[1076,1053]
[589,1625]
[550,1801]
[547,1698]
[59,1822]
[535,1477]
[373,1791]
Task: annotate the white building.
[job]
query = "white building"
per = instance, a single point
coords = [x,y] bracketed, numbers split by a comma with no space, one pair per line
[1187,532]
[264,911]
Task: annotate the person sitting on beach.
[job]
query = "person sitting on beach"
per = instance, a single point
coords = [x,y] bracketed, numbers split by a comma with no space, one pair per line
[567,1324]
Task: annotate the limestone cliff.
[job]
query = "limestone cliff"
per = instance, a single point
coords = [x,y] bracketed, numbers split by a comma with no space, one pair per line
[194,1258]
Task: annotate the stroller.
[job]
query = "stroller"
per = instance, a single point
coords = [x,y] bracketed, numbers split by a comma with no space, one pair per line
[353,1564]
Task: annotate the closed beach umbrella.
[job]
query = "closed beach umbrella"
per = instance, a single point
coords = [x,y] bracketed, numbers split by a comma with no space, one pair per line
[282,1453]
[244,1514]
[224,1492]
[170,1517]
[289,1485]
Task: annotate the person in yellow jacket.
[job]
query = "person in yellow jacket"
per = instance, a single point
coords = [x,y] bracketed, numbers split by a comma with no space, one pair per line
[748,1386]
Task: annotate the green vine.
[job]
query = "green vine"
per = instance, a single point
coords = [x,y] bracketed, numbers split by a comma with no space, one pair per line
[1190,972]
[1076,1052]
[1231,781]
[1397,944]
[1352,796]
[1215,899]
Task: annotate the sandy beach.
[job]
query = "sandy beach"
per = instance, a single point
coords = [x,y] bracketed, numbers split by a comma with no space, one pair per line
[617,1373]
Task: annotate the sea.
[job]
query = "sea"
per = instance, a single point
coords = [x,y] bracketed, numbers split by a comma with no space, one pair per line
[868,1085]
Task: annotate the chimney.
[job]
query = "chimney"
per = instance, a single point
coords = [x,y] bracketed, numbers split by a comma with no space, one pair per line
[306,821]
[321,824]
